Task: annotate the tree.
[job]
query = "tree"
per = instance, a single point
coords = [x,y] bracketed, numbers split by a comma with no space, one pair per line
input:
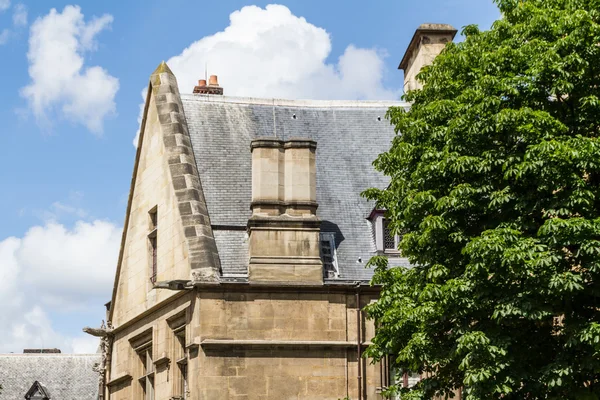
[495,189]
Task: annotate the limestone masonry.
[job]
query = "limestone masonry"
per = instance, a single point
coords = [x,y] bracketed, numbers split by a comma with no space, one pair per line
[241,273]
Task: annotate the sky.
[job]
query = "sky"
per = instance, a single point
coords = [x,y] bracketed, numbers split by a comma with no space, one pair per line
[74,76]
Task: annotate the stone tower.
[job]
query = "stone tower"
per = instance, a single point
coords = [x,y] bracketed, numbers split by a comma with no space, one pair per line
[426,44]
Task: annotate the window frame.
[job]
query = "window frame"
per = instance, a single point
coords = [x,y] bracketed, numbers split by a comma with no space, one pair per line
[142,346]
[329,237]
[153,243]
[181,381]
[378,219]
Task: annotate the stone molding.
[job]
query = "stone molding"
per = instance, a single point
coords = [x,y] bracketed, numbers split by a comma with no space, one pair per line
[120,379]
[271,143]
[422,30]
[284,203]
[292,143]
[295,143]
[269,344]
[202,249]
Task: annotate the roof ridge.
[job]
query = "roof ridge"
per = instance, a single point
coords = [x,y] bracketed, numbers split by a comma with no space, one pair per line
[275,102]
[63,355]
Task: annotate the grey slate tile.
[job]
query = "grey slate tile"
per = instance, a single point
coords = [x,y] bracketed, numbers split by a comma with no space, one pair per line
[66,376]
[349,137]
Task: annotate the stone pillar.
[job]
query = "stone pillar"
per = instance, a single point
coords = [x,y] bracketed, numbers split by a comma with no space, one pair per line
[267,177]
[427,43]
[284,229]
[300,177]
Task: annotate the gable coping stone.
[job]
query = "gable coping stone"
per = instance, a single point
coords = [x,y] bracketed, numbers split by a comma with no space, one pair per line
[203,254]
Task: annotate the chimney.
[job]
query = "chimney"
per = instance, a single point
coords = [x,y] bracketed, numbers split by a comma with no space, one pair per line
[284,228]
[427,43]
[41,351]
[212,87]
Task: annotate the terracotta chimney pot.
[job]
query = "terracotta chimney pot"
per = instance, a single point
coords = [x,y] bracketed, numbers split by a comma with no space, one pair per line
[212,87]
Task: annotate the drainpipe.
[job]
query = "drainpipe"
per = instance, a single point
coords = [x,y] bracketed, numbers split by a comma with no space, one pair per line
[358,341]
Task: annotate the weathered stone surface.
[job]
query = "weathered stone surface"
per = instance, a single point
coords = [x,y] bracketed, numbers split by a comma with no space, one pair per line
[281,248]
[181,165]
[428,41]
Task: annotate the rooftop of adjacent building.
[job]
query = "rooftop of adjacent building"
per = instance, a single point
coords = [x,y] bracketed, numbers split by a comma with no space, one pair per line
[66,376]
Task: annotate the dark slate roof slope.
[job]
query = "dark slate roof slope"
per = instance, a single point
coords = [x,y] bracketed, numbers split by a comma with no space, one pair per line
[349,136]
[64,376]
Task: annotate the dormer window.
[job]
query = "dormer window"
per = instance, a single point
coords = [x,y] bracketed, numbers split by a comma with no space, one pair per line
[328,255]
[390,241]
[385,241]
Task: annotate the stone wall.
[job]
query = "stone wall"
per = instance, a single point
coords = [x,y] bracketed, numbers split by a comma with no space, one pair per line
[250,344]
[153,188]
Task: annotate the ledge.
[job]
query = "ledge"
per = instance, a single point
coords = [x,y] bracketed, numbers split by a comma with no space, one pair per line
[194,344]
[266,142]
[300,143]
[161,360]
[182,361]
[255,344]
[119,379]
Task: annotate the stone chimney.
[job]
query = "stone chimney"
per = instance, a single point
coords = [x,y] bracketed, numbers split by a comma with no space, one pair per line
[427,43]
[284,228]
[212,87]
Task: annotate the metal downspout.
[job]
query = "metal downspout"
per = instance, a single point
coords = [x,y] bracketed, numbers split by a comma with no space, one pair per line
[358,342]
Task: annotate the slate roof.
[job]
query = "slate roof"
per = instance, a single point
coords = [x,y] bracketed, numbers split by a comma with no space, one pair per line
[64,376]
[349,136]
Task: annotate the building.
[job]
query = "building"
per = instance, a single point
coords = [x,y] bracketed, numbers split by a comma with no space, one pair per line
[241,273]
[47,374]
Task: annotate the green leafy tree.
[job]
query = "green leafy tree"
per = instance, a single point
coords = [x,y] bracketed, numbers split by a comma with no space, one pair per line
[495,187]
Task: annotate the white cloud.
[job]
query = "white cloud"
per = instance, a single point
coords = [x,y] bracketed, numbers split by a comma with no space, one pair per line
[85,344]
[4,5]
[4,35]
[143,93]
[20,15]
[70,263]
[54,268]
[59,78]
[271,52]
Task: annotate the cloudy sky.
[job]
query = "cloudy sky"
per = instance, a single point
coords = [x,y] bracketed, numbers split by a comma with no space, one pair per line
[73,74]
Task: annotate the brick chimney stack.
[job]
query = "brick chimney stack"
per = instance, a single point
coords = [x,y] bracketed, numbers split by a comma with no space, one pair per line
[427,43]
[212,87]
[41,351]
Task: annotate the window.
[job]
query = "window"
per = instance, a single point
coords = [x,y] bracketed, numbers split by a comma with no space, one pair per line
[403,379]
[180,389]
[142,345]
[390,241]
[385,241]
[182,365]
[152,244]
[328,255]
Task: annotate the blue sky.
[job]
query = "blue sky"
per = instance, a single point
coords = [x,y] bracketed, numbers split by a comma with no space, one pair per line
[66,151]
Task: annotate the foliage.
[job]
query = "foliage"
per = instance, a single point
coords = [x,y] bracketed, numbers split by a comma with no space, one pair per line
[495,179]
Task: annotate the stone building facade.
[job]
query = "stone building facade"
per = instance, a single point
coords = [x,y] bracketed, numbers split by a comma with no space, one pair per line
[241,273]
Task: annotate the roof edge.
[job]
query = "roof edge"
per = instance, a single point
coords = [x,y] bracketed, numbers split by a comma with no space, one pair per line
[48,355]
[163,87]
[421,30]
[295,103]
[138,152]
